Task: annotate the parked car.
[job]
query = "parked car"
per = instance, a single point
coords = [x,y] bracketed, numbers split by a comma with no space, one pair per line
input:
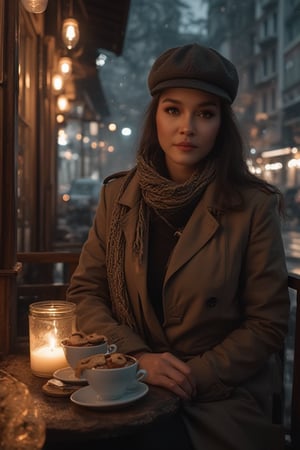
[81,201]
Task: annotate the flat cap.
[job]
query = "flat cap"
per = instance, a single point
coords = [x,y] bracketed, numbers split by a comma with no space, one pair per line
[197,67]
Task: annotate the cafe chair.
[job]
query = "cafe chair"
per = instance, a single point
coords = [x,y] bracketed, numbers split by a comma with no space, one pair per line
[290,409]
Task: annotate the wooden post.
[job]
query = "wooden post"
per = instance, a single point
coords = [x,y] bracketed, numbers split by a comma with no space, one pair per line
[8,131]
[7,310]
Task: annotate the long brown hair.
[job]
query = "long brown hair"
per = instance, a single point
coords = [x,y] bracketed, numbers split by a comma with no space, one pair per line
[229,151]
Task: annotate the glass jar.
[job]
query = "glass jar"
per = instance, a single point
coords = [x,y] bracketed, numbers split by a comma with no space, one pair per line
[22,426]
[49,323]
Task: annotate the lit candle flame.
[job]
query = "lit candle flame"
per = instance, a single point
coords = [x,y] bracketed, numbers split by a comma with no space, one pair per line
[52,343]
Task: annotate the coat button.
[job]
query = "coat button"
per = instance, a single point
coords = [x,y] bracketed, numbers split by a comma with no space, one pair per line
[211,302]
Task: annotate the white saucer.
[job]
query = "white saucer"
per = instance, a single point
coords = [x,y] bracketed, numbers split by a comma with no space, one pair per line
[68,376]
[87,397]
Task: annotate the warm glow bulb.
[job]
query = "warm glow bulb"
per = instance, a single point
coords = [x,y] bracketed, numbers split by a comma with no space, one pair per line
[65,65]
[60,118]
[63,103]
[35,6]
[112,126]
[57,82]
[70,33]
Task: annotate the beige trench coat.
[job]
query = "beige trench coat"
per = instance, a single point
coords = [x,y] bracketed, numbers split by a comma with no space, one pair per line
[226,306]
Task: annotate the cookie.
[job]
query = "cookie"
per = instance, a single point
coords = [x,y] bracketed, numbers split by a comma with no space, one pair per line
[96,339]
[89,363]
[116,360]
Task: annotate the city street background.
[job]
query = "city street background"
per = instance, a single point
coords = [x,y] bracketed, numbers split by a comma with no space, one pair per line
[291,238]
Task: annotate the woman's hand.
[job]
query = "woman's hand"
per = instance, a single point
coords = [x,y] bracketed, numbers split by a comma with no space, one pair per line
[169,372]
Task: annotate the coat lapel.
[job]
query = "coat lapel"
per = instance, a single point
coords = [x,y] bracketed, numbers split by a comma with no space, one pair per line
[197,232]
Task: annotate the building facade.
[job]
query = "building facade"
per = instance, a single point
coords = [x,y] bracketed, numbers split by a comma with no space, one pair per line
[262,37]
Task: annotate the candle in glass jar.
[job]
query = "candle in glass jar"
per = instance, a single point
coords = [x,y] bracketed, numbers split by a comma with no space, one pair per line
[45,360]
[49,323]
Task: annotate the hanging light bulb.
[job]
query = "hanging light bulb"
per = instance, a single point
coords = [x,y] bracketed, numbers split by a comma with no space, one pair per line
[35,6]
[65,65]
[57,82]
[63,103]
[70,32]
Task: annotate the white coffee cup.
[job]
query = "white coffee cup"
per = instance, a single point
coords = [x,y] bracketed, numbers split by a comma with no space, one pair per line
[112,383]
[75,353]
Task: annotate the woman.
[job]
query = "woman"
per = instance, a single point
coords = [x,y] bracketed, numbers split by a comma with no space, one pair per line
[184,265]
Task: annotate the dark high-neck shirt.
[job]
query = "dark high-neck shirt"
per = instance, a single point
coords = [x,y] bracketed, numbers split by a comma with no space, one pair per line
[161,244]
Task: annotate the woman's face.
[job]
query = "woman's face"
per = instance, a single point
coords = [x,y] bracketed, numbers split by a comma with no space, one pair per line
[188,122]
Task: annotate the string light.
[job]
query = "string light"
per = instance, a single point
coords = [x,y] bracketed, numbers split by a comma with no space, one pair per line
[63,103]
[65,65]
[57,82]
[70,32]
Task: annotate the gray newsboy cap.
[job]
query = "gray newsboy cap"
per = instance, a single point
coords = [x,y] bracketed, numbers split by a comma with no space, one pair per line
[197,67]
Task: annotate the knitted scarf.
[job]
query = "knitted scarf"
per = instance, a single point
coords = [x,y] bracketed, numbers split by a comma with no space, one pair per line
[164,196]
